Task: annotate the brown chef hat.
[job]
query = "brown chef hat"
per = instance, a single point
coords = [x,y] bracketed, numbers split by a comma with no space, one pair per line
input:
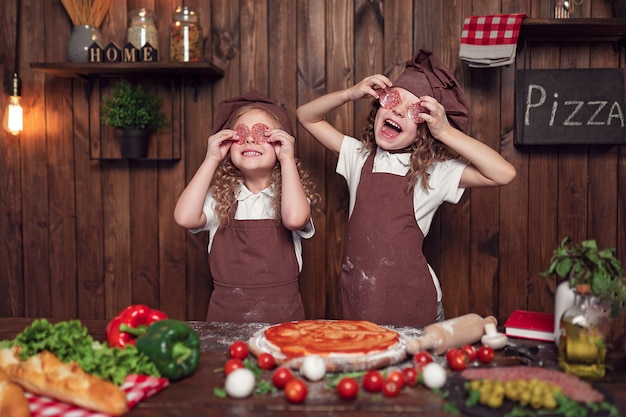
[425,74]
[226,108]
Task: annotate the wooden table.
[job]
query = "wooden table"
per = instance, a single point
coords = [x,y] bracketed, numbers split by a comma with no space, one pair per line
[194,396]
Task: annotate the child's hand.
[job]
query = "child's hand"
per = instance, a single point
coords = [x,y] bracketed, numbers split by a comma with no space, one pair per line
[368,86]
[283,143]
[220,143]
[436,116]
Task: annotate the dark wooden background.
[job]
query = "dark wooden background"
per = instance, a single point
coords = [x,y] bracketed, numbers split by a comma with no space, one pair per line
[82,238]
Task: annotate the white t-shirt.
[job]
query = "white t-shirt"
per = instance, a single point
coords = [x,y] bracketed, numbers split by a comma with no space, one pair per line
[443,182]
[252,207]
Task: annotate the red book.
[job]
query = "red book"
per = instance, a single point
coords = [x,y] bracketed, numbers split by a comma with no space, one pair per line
[530,325]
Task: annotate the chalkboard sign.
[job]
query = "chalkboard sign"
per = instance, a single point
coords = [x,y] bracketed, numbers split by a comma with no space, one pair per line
[570,106]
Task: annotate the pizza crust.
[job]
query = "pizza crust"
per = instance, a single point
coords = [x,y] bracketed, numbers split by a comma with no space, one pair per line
[341,360]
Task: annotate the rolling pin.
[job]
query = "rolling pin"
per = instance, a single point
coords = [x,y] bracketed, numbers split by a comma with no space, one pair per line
[452,333]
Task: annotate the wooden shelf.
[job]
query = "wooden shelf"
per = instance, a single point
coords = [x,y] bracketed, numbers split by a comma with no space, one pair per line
[573,30]
[72,69]
[176,73]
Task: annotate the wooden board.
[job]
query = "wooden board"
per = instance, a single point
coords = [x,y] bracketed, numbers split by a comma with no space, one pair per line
[334,362]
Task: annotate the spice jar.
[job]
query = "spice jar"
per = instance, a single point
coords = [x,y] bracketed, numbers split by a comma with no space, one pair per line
[142,29]
[185,35]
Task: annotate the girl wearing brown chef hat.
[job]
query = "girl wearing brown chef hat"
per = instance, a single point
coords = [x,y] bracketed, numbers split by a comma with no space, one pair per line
[407,164]
[253,197]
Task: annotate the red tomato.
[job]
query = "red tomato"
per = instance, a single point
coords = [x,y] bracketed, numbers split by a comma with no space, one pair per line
[281,377]
[421,359]
[470,351]
[238,350]
[266,361]
[373,381]
[410,376]
[457,360]
[396,377]
[391,389]
[295,391]
[450,353]
[485,354]
[348,388]
[233,364]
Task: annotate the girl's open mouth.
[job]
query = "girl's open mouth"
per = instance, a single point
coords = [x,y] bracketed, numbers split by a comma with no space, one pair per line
[390,129]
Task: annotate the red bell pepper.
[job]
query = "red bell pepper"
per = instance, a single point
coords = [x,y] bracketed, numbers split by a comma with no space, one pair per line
[131,322]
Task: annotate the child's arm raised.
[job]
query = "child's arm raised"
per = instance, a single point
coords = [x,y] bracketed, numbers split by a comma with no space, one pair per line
[295,209]
[188,212]
[312,115]
[487,167]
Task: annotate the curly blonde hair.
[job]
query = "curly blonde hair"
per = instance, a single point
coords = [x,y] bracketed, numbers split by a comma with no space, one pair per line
[227,177]
[425,150]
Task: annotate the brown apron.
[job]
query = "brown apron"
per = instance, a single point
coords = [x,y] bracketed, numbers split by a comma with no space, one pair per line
[255,273]
[385,278]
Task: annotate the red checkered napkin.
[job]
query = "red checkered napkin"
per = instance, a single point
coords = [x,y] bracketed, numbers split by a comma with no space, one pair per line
[136,387]
[490,40]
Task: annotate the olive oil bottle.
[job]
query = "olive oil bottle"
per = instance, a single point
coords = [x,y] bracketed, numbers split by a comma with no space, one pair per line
[582,336]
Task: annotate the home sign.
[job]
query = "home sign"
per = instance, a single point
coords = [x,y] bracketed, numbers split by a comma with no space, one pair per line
[570,106]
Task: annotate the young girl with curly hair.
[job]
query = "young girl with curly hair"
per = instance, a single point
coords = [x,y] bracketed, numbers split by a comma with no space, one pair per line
[415,155]
[255,200]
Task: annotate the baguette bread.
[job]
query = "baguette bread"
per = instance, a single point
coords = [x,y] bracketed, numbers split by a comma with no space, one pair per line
[44,374]
[13,403]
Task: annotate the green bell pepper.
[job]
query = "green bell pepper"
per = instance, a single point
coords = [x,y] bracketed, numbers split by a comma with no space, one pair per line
[173,346]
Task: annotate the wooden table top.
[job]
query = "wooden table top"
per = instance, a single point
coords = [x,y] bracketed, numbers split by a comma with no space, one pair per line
[194,396]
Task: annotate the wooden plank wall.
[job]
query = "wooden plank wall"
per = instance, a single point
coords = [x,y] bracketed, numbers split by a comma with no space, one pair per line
[84,238]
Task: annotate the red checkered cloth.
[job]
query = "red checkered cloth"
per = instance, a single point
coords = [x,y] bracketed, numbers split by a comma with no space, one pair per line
[137,388]
[490,41]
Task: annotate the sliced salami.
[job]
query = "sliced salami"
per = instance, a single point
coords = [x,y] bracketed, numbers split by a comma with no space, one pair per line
[572,386]
[258,132]
[389,98]
[243,132]
[413,113]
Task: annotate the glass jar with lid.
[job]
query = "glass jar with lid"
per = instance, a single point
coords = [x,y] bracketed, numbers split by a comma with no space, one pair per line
[186,41]
[142,29]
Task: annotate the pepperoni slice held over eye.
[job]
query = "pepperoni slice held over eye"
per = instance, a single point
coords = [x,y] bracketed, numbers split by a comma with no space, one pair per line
[243,132]
[389,98]
[413,113]
[258,132]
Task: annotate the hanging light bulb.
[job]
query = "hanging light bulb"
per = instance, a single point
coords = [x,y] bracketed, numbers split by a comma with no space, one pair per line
[14,113]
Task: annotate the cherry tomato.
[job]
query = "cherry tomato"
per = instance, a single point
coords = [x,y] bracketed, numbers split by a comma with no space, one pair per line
[266,361]
[233,364]
[295,391]
[470,351]
[373,381]
[391,389]
[396,377]
[450,353]
[485,354]
[238,350]
[422,359]
[457,360]
[281,377]
[410,376]
[348,388]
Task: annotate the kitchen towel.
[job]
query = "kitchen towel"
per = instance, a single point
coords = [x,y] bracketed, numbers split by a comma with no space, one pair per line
[136,387]
[490,41]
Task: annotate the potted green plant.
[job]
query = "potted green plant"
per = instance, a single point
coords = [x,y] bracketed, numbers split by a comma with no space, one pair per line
[585,264]
[136,113]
